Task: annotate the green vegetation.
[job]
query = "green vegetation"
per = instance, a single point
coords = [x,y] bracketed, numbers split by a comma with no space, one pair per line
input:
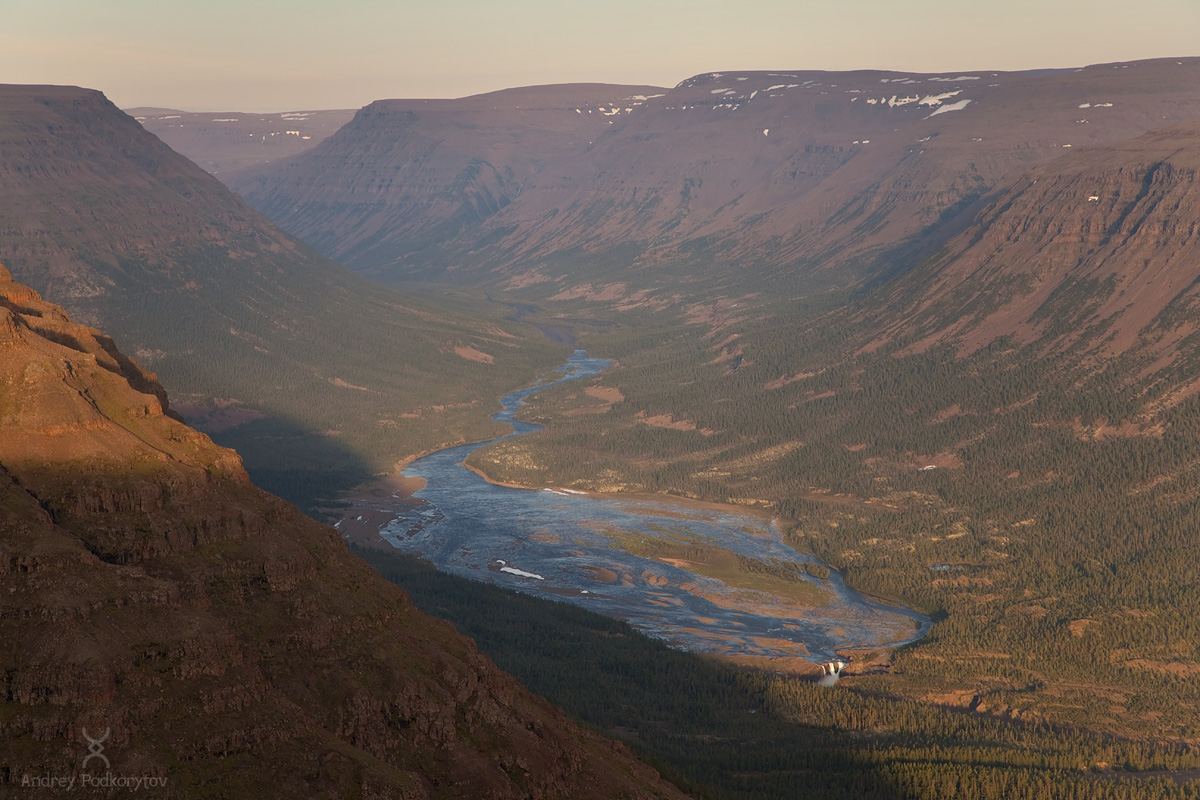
[1054,542]
[724,732]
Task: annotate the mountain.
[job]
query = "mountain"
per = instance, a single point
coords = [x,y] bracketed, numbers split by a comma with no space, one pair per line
[1094,253]
[816,174]
[318,376]
[222,142]
[210,636]
[405,175]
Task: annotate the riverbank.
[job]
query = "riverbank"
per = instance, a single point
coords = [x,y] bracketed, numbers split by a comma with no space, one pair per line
[756,511]
[373,504]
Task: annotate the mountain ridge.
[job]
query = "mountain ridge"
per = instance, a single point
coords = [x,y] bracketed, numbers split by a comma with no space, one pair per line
[816,174]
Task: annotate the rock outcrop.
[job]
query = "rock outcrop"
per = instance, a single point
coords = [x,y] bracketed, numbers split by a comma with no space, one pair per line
[161,612]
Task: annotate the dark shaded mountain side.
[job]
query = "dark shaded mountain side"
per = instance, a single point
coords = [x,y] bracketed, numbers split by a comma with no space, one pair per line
[213,636]
[800,178]
[223,142]
[405,175]
[749,734]
[242,321]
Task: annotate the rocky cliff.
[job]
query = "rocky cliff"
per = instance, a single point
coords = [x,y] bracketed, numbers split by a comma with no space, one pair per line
[798,172]
[404,176]
[1096,253]
[216,640]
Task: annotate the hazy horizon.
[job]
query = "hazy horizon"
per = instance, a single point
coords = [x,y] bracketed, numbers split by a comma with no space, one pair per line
[269,55]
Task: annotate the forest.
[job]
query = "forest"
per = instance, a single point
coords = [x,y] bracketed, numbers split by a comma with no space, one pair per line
[721,731]
[1040,505]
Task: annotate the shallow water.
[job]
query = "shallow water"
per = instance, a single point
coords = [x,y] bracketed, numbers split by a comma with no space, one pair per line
[564,546]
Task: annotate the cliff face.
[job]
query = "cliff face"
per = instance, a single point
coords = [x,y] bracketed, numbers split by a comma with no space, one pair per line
[1098,252]
[225,642]
[405,175]
[793,170]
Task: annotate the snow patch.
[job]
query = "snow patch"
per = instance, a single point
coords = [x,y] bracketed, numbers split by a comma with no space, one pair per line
[936,99]
[521,573]
[959,106]
[959,78]
[225,120]
[766,131]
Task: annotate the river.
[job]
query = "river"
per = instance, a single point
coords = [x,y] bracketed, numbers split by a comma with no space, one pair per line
[630,558]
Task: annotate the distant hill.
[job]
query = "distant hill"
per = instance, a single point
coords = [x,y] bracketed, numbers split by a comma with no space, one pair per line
[223,142]
[407,176]
[210,636]
[803,176]
[318,376]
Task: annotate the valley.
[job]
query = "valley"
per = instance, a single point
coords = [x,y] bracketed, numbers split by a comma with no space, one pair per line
[706,579]
[889,367]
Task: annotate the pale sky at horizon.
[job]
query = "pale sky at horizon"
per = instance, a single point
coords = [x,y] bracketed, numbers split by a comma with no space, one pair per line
[279,55]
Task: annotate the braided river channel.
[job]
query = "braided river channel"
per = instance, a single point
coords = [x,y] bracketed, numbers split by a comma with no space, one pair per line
[702,577]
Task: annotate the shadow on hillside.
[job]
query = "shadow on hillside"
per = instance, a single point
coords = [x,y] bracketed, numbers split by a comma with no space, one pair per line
[308,468]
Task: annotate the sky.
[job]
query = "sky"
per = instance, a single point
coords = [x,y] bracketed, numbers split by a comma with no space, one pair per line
[280,55]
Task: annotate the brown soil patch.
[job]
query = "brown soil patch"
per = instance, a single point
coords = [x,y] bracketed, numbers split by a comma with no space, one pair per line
[601,293]
[1078,626]
[609,394]
[941,460]
[602,574]
[471,354]
[779,383]
[946,413]
[669,422]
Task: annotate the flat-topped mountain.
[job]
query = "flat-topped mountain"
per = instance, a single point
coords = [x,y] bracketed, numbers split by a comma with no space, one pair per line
[1097,252]
[213,638]
[223,142]
[791,171]
[325,372]
[406,175]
